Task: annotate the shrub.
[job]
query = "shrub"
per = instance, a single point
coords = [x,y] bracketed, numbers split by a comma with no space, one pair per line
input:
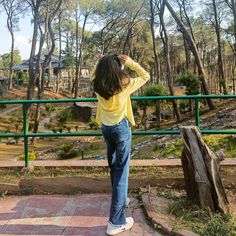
[49,108]
[191,82]
[67,152]
[93,124]
[65,116]
[184,106]
[32,156]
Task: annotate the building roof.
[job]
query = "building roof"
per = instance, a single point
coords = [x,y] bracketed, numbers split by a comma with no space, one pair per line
[54,62]
[2,78]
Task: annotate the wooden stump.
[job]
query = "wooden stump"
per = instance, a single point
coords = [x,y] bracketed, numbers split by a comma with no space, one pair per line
[201,172]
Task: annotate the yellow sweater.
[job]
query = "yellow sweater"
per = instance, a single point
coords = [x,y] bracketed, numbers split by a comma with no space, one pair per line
[118,107]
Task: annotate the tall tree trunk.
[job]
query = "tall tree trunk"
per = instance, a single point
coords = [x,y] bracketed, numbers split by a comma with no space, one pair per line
[31,84]
[80,58]
[233,6]
[48,28]
[157,64]
[59,59]
[10,28]
[194,50]
[219,49]
[165,40]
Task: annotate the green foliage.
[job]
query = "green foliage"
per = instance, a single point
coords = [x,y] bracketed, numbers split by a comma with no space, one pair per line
[67,152]
[69,56]
[93,124]
[191,82]
[172,149]
[214,142]
[32,156]
[6,59]
[3,91]
[22,75]
[217,142]
[184,106]
[49,108]
[65,116]
[152,90]
[135,107]
[200,220]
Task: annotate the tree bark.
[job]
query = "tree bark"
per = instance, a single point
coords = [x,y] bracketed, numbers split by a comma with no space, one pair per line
[59,59]
[165,40]
[10,28]
[219,49]
[31,84]
[201,172]
[48,28]
[156,58]
[194,50]
[79,57]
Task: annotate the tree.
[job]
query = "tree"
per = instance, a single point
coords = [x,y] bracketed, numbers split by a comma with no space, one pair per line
[215,17]
[35,6]
[232,6]
[48,11]
[12,8]
[152,25]
[6,59]
[192,84]
[194,50]
[156,90]
[87,9]
[165,40]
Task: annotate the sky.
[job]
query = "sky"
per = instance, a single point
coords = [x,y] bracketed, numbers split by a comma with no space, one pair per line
[22,37]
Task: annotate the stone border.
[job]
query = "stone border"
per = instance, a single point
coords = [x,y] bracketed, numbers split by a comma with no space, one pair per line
[160,220]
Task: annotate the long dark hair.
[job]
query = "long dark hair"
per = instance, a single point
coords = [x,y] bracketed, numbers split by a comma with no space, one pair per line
[109,76]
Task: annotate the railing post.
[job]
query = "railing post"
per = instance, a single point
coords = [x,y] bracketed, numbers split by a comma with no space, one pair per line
[25,127]
[197,112]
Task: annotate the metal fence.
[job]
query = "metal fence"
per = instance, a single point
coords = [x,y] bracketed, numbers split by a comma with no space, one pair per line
[26,135]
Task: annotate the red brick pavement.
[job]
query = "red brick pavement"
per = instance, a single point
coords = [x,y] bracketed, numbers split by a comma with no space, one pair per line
[84,215]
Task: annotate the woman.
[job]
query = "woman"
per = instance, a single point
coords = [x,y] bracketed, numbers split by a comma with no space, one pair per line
[113,88]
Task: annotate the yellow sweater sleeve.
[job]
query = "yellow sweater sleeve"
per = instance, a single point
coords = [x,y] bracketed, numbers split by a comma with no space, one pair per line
[137,82]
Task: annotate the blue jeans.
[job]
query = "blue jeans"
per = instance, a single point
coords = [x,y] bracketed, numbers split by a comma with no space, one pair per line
[118,141]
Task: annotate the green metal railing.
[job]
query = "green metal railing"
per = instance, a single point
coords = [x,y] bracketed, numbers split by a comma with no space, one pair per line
[26,103]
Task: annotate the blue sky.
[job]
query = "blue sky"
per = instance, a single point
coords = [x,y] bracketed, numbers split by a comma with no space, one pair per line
[22,37]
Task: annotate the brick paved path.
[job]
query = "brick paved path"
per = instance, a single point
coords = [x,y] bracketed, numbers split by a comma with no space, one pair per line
[84,215]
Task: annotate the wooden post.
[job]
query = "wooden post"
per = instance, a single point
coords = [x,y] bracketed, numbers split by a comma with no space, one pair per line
[201,172]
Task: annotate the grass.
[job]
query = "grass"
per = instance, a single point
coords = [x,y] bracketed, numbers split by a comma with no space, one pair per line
[199,220]
[13,176]
[214,142]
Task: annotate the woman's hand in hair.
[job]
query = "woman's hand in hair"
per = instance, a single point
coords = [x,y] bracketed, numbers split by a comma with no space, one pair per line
[123,58]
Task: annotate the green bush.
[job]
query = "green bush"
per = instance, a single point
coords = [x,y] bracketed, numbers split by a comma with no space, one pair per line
[3,91]
[65,116]
[32,156]
[93,124]
[191,82]
[135,107]
[184,106]
[67,152]
[49,108]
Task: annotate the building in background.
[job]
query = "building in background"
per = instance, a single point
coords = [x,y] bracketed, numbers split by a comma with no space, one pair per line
[67,74]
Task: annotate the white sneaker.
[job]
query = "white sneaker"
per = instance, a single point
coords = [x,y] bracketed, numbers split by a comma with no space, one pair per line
[116,229]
